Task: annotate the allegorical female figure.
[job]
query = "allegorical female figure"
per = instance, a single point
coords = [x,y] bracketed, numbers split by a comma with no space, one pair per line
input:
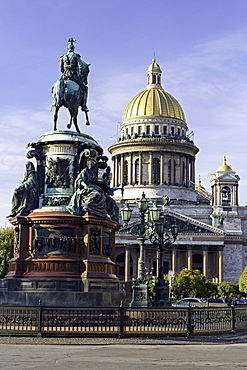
[88,196]
[26,196]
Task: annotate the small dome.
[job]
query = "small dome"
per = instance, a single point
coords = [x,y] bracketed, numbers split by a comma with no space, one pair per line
[154,101]
[224,167]
[154,67]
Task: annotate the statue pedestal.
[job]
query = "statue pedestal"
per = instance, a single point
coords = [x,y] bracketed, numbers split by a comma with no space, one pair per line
[62,253]
[61,257]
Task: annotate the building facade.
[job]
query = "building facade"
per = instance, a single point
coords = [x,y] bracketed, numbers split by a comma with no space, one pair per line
[156,155]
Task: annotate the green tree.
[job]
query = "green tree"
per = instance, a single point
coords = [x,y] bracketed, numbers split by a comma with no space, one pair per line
[211,289]
[227,289]
[189,284]
[243,281]
[6,243]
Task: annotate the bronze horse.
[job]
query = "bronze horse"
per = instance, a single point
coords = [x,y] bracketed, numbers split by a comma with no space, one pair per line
[69,94]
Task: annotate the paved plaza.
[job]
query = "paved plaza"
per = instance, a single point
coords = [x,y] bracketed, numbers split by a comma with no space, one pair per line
[222,352]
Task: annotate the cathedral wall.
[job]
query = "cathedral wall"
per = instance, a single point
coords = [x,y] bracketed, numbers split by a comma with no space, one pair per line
[242,211]
[232,225]
[233,261]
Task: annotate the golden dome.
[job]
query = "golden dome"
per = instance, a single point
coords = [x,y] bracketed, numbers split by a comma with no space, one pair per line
[154,101]
[224,167]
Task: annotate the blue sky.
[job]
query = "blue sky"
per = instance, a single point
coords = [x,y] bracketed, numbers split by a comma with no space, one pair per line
[201,46]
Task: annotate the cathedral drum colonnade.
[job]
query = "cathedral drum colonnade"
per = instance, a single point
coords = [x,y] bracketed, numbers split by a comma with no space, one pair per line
[156,154]
[154,147]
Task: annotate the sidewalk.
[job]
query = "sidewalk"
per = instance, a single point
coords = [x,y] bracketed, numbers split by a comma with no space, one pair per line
[203,340]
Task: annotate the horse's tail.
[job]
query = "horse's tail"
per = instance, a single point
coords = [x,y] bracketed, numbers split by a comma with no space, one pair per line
[58,90]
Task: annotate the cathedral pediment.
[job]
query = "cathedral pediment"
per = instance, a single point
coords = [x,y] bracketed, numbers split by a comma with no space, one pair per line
[186,225]
[228,176]
[190,225]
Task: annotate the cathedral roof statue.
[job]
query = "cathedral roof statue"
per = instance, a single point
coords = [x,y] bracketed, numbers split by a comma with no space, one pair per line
[153,101]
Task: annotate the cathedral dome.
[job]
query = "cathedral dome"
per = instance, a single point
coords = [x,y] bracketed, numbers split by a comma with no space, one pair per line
[154,101]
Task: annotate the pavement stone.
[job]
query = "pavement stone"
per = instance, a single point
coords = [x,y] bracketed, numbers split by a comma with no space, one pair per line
[232,338]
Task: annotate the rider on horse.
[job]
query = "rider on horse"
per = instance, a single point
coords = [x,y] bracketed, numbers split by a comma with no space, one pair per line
[75,69]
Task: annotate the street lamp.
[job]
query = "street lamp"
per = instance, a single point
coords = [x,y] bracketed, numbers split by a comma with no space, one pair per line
[152,224]
[140,296]
[126,213]
[162,241]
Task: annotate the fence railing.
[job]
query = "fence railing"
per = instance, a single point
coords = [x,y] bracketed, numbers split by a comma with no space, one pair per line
[120,321]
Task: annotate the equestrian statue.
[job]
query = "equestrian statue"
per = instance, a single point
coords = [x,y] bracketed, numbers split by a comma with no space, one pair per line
[70,90]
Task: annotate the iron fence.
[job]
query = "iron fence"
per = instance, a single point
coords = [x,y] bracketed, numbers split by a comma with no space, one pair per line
[120,321]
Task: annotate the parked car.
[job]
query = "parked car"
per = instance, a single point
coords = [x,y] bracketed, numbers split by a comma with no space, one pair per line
[240,302]
[193,302]
[216,302]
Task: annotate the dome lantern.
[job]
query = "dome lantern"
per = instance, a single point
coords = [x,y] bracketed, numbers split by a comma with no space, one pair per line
[154,75]
[153,101]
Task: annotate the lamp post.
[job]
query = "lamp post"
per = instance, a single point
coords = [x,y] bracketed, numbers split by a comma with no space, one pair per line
[162,241]
[152,225]
[140,296]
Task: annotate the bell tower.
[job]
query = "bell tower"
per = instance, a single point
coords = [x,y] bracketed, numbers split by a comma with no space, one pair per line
[224,184]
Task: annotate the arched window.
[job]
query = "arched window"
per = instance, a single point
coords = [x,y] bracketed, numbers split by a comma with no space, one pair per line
[126,179]
[226,196]
[137,169]
[156,171]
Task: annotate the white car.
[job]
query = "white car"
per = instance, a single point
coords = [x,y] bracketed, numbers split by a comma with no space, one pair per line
[193,302]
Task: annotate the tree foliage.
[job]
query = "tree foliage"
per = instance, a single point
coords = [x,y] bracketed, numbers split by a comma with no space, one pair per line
[6,243]
[189,284]
[227,289]
[243,281]
[211,289]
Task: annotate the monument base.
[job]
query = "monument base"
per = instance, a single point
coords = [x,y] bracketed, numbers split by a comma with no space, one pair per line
[65,292]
